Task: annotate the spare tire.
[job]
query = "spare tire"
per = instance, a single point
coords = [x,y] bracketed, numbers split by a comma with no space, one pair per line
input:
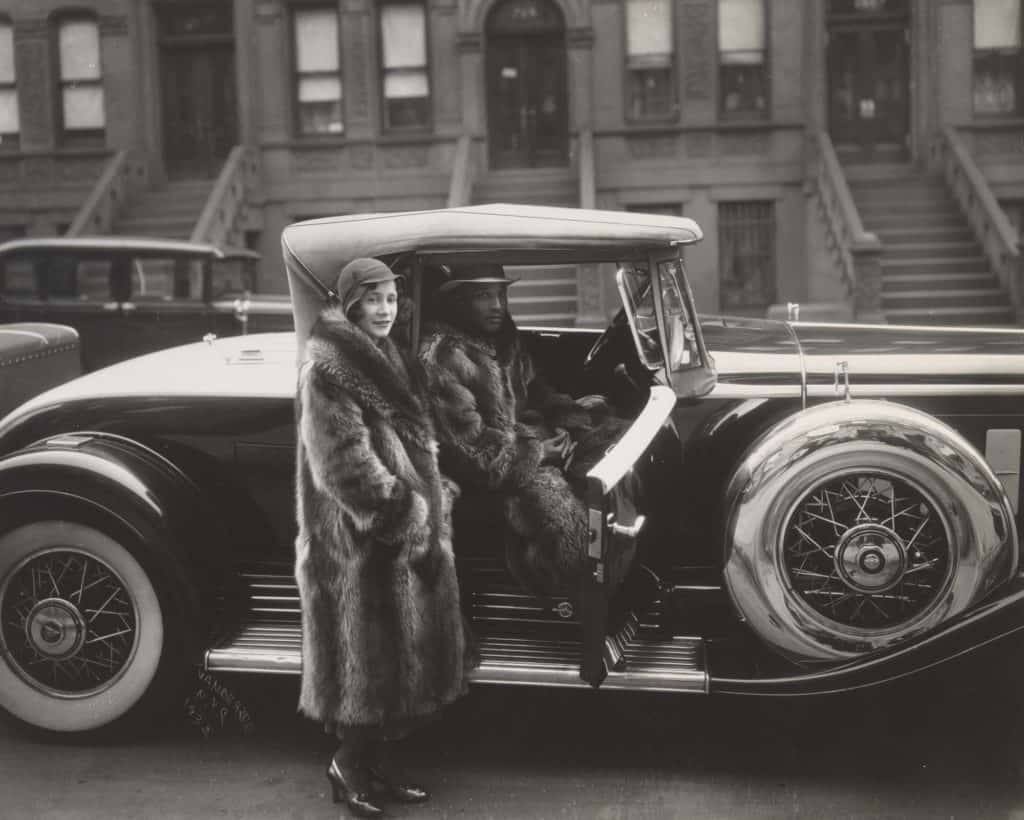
[852,526]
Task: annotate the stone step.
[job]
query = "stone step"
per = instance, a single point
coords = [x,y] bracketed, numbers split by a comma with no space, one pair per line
[911,220]
[939,297]
[544,288]
[965,264]
[960,316]
[923,210]
[149,224]
[930,250]
[938,281]
[957,232]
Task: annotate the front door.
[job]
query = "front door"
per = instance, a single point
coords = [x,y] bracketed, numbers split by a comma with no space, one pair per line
[868,89]
[197,71]
[526,85]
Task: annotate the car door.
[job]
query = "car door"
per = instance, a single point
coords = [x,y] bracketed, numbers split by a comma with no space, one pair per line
[166,304]
[21,293]
[615,512]
[79,288]
[660,310]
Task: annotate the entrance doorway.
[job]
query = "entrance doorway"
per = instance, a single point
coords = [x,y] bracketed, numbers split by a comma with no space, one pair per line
[526,85]
[868,80]
[197,82]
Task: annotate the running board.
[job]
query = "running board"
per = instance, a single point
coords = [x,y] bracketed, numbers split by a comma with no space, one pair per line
[673,665]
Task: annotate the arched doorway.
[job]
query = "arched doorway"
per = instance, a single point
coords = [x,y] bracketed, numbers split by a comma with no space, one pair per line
[527,98]
[868,78]
[197,77]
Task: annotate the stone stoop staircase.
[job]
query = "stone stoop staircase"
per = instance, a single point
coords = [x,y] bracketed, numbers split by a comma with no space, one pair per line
[168,212]
[934,272]
[545,295]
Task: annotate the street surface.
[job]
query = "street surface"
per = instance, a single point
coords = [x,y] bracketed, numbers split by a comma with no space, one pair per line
[549,754]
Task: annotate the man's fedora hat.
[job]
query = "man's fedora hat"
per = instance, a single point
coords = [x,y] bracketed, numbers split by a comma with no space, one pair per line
[475,274]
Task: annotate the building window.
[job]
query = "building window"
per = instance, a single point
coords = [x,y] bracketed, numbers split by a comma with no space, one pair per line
[998,59]
[318,90]
[742,59]
[406,85]
[82,112]
[746,248]
[650,76]
[10,122]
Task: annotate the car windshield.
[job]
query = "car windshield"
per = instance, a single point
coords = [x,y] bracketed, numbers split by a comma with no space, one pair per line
[637,293]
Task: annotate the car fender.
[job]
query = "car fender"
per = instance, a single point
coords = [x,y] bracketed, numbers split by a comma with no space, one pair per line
[118,481]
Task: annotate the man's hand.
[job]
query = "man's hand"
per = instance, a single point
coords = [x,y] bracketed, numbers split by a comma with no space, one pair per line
[593,401]
[556,448]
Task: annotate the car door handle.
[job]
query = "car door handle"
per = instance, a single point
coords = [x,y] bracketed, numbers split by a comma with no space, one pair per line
[631,531]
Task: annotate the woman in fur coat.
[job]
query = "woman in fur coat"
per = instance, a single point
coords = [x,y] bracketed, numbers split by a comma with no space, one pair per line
[383,644]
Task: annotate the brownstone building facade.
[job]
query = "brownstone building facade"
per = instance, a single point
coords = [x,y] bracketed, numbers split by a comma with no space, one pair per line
[778,125]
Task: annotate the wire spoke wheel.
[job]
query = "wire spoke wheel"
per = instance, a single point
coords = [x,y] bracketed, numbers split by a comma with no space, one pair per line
[68,622]
[867,550]
[82,630]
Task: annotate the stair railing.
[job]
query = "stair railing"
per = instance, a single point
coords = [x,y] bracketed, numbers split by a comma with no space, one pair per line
[460,186]
[122,176]
[587,169]
[858,251]
[987,219]
[222,219]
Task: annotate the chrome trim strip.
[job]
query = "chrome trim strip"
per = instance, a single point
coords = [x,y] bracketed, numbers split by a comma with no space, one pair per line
[987,329]
[869,390]
[623,454]
[802,359]
[675,665]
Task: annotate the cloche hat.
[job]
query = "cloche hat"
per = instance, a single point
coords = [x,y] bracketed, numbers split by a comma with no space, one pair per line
[358,273]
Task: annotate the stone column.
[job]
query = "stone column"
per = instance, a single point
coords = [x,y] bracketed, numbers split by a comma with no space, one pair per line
[36,84]
[270,73]
[360,70]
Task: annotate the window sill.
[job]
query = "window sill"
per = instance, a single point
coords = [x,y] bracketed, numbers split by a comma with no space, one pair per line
[993,122]
[313,143]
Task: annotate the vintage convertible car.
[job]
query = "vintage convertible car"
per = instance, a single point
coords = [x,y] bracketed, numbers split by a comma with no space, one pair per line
[793,509]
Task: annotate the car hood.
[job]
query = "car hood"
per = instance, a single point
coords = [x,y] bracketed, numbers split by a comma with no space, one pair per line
[755,357]
[260,365]
[906,360]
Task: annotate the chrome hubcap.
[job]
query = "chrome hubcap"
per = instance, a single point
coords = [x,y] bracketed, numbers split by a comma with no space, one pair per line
[866,550]
[55,628]
[870,558]
[68,624]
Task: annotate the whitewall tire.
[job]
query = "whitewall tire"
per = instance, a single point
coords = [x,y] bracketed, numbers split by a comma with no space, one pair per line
[81,627]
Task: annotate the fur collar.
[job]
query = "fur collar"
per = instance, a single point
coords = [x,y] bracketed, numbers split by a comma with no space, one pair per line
[377,375]
[504,346]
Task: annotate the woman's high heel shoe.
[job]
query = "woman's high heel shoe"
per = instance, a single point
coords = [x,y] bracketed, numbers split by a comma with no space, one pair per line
[390,785]
[351,788]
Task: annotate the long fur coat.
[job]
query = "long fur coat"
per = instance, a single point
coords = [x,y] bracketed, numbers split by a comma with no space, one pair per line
[382,630]
[484,392]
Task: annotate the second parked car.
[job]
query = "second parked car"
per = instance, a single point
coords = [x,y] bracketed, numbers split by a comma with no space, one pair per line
[131,295]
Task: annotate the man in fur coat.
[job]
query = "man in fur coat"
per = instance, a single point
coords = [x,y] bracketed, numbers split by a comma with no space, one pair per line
[383,645]
[494,420]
